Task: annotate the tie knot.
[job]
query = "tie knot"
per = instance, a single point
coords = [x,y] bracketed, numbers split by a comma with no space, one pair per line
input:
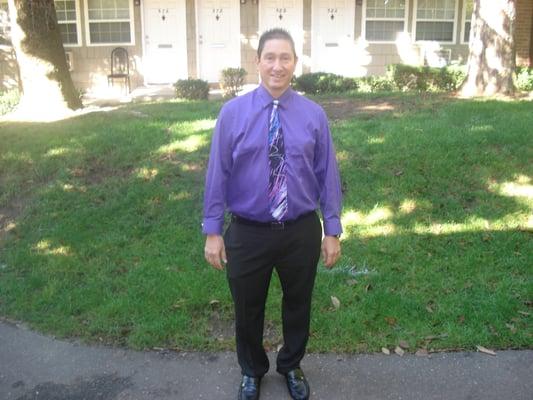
[275,102]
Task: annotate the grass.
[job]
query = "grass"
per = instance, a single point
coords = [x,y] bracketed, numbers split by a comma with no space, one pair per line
[103,235]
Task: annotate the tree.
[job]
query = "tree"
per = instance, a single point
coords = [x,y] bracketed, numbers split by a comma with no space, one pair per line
[491,60]
[46,83]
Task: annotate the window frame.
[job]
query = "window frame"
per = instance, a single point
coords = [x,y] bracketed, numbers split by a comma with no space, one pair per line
[405,23]
[88,31]
[454,27]
[78,25]
[463,26]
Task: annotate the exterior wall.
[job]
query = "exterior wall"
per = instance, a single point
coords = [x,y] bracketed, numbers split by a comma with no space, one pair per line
[249,40]
[191,38]
[91,64]
[524,32]
[376,56]
[306,66]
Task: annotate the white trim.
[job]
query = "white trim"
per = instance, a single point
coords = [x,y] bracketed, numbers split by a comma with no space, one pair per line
[405,23]
[455,20]
[197,32]
[143,39]
[463,19]
[131,22]
[78,26]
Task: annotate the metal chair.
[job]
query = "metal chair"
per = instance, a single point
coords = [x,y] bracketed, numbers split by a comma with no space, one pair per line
[120,67]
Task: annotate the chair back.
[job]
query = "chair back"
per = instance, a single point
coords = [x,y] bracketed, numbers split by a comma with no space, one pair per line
[120,62]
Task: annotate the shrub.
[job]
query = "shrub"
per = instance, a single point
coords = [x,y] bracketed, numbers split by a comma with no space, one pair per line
[524,79]
[408,77]
[8,100]
[192,89]
[231,81]
[372,84]
[323,82]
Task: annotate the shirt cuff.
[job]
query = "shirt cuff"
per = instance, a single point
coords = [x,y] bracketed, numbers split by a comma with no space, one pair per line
[332,227]
[212,227]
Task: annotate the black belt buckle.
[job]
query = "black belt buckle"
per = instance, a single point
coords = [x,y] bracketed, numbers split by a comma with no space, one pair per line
[277,225]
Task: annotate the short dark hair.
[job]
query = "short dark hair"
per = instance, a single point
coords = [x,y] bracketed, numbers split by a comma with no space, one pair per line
[275,33]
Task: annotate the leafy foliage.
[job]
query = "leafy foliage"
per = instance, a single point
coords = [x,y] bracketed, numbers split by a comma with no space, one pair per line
[8,100]
[323,82]
[524,79]
[192,89]
[231,81]
[426,79]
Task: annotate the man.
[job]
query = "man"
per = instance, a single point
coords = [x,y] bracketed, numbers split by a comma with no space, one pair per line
[272,163]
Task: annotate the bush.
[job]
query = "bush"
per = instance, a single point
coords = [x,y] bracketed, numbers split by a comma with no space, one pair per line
[323,82]
[372,84]
[408,77]
[524,79]
[231,81]
[192,89]
[8,100]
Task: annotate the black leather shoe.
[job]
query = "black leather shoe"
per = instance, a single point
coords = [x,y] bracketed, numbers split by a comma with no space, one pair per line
[297,384]
[249,389]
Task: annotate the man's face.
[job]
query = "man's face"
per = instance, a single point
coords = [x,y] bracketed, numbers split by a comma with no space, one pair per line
[276,66]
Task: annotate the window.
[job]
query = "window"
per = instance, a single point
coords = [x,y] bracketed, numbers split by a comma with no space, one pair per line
[5,29]
[110,21]
[468,9]
[67,18]
[435,20]
[384,19]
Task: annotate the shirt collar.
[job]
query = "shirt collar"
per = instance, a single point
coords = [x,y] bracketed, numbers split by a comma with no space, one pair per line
[266,98]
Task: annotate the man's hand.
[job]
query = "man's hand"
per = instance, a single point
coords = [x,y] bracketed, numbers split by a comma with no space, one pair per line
[331,250]
[215,252]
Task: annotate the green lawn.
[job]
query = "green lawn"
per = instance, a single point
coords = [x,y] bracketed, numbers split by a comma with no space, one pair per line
[105,240]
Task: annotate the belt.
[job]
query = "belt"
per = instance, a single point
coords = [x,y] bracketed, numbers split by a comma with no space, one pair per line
[275,225]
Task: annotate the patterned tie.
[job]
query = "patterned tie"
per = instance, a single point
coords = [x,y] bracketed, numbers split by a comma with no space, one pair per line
[277,182]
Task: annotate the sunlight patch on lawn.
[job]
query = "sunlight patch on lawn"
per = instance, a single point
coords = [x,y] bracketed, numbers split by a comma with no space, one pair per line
[520,187]
[371,224]
[342,155]
[482,128]
[58,151]
[147,174]
[407,206]
[45,247]
[189,145]
[183,195]
[376,140]
[189,127]
[377,214]
[23,156]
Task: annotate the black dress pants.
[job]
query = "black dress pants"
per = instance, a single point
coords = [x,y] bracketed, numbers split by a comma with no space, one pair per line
[252,254]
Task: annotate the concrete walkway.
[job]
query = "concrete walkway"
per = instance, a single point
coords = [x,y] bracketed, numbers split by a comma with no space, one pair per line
[36,367]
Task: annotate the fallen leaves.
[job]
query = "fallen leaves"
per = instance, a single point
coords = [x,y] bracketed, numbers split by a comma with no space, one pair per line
[336,302]
[386,351]
[485,350]
[398,350]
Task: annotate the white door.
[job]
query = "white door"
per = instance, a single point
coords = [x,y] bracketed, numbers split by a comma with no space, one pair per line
[332,42]
[165,41]
[286,14]
[219,44]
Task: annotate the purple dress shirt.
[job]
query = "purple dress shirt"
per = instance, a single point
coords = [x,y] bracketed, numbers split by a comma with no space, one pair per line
[238,170]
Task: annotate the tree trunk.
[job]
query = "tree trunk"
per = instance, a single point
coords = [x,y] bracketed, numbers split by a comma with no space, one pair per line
[491,62]
[47,87]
